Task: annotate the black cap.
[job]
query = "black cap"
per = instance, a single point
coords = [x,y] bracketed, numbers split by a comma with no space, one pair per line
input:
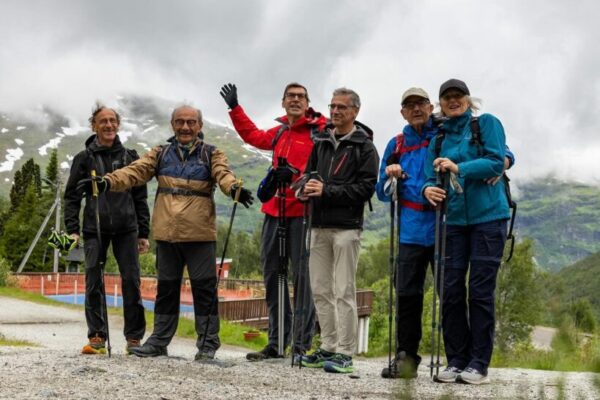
[454,84]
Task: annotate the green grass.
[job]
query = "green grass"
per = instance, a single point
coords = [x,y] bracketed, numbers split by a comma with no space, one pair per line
[230,334]
[10,342]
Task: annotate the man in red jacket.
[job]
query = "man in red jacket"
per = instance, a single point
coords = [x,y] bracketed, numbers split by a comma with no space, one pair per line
[291,139]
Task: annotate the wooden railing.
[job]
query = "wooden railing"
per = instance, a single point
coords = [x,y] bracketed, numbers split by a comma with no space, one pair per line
[248,311]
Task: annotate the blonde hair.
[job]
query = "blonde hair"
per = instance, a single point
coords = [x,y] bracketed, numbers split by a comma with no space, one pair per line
[474,105]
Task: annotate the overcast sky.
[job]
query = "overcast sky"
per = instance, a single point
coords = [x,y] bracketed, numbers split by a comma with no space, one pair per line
[535,64]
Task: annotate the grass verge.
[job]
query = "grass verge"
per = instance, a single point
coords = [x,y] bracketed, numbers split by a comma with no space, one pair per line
[230,334]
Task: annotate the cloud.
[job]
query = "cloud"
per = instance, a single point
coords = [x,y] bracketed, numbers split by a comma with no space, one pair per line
[533,63]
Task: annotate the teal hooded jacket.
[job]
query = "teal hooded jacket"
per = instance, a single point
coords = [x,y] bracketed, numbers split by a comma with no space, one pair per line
[479,201]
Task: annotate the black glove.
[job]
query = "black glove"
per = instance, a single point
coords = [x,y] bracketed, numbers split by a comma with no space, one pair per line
[84,186]
[284,174]
[245,196]
[229,94]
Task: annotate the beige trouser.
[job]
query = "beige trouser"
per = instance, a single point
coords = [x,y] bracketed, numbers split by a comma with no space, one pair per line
[332,267]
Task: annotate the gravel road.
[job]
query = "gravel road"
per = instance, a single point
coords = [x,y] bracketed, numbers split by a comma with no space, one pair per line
[54,369]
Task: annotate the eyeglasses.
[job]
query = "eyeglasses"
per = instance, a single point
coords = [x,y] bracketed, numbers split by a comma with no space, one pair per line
[292,96]
[340,107]
[453,95]
[409,105]
[189,122]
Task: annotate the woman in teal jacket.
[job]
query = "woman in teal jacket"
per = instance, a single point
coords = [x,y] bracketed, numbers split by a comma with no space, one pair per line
[476,231]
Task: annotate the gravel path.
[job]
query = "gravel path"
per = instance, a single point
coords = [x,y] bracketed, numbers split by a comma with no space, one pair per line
[56,370]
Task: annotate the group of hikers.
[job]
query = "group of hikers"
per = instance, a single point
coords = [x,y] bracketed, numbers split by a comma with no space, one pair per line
[440,171]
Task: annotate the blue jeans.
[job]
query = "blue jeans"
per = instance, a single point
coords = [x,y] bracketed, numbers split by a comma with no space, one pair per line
[468,318]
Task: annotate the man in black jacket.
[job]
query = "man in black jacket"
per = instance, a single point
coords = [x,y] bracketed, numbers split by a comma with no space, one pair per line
[124,222]
[346,159]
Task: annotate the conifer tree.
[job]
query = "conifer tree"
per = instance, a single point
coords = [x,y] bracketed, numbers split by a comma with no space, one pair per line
[52,167]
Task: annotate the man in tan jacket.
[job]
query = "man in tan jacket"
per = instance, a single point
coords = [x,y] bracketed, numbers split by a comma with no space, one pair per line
[184,227]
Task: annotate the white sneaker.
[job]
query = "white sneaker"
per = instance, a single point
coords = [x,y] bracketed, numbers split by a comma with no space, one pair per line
[472,376]
[448,375]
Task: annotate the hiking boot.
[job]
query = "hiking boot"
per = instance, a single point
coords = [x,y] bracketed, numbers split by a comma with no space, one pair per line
[267,352]
[472,376]
[131,343]
[316,359]
[403,367]
[149,350]
[204,355]
[339,363]
[96,345]
[448,375]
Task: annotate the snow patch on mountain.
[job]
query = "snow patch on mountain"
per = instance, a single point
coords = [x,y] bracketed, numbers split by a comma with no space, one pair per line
[52,144]
[19,142]
[151,128]
[20,128]
[4,130]
[64,165]
[264,154]
[74,128]
[12,155]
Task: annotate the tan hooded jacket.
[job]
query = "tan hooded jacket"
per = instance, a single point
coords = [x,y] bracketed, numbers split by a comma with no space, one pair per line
[178,218]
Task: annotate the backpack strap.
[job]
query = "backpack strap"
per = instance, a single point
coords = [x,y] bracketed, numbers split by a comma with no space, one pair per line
[476,134]
[280,131]
[394,158]
[163,149]
[206,153]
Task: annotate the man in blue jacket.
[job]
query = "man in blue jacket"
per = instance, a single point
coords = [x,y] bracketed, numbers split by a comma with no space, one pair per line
[404,158]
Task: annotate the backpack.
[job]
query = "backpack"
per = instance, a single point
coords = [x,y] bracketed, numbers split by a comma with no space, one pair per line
[206,151]
[477,141]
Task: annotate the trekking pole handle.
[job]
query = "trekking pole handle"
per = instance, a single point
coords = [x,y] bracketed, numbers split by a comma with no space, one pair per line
[94,184]
[239,185]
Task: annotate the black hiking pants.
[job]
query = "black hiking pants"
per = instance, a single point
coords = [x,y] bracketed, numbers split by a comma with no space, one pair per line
[125,250]
[171,258]
[305,309]
[468,318]
[411,270]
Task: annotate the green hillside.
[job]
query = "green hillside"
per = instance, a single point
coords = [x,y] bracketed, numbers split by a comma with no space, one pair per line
[563,218]
[582,281]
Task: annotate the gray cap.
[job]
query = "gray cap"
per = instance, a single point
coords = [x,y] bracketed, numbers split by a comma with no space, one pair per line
[454,84]
[414,91]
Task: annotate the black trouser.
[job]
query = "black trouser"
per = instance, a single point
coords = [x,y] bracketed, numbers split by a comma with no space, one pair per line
[469,324]
[171,258]
[410,279]
[269,258]
[125,250]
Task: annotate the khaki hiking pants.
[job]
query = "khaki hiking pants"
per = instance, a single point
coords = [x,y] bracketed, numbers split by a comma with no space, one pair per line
[332,270]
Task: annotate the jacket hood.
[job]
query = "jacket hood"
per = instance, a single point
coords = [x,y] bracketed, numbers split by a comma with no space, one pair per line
[94,147]
[361,134]
[311,117]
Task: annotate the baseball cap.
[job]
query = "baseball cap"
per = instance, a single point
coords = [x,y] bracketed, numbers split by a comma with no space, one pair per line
[454,84]
[414,91]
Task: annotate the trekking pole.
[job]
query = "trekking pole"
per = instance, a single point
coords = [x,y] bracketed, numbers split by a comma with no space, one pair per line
[391,189]
[282,273]
[438,274]
[95,195]
[215,299]
[303,268]
[299,303]
[442,265]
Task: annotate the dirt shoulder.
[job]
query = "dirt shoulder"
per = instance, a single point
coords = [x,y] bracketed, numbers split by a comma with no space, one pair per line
[54,369]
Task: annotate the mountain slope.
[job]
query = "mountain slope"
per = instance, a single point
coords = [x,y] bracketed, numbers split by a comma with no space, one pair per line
[563,218]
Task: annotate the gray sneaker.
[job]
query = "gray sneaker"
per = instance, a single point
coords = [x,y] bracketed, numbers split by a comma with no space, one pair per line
[448,375]
[472,376]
